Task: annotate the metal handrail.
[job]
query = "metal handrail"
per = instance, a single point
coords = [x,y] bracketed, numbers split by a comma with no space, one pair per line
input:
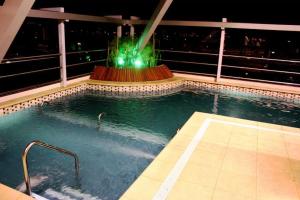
[30,72]
[258,58]
[234,67]
[29,57]
[189,62]
[261,80]
[193,73]
[229,56]
[47,146]
[87,51]
[28,60]
[263,70]
[82,63]
[187,52]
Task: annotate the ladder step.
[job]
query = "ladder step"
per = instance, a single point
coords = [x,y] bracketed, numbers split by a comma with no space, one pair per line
[78,194]
[57,195]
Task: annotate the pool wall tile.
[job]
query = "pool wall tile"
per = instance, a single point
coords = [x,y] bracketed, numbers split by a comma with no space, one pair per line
[243,91]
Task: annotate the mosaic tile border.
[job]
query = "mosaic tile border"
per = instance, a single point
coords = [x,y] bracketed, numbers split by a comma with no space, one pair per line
[156,89]
[243,91]
[42,99]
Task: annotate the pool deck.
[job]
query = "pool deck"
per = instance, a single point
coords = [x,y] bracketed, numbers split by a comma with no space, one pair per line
[7,193]
[216,157]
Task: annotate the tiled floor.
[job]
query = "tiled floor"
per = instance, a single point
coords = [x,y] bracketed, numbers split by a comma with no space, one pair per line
[7,193]
[215,157]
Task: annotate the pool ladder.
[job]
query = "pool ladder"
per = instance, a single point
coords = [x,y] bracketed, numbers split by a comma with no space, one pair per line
[47,146]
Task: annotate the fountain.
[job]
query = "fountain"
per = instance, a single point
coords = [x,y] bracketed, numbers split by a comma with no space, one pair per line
[135,61]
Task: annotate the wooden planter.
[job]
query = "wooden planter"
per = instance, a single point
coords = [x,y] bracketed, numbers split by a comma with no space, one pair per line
[131,75]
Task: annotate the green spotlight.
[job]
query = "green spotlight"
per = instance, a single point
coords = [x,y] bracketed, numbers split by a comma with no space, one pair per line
[138,63]
[121,61]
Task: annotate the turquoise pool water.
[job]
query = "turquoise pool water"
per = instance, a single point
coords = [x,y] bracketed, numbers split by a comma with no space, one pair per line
[114,151]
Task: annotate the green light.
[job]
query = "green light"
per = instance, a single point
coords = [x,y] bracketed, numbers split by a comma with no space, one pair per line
[138,63]
[121,61]
[123,54]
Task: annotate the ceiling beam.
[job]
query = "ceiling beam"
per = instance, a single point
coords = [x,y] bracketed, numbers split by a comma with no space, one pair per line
[71,16]
[154,21]
[12,16]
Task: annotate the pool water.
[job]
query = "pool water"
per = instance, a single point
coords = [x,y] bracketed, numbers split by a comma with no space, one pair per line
[115,150]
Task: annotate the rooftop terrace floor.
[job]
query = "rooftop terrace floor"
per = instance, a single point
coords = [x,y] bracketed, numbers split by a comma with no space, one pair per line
[217,157]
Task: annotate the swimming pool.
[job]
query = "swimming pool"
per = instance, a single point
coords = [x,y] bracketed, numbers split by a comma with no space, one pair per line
[114,151]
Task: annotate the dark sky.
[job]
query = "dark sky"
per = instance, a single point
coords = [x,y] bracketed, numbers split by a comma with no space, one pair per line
[260,11]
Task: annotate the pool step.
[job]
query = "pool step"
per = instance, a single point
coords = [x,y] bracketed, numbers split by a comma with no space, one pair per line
[78,194]
[57,195]
[38,197]
[68,193]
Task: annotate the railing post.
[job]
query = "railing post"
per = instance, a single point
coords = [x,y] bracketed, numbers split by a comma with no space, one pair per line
[221,50]
[119,27]
[62,46]
[62,51]
[132,27]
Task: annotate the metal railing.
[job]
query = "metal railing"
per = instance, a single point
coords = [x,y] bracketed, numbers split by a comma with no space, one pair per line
[87,51]
[84,63]
[29,59]
[47,57]
[47,146]
[291,63]
[21,67]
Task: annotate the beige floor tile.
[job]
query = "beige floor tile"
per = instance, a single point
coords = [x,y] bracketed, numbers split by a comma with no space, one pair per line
[272,189]
[271,136]
[158,170]
[143,188]
[272,147]
[7,193]
[179,142]
[183,191]
[204,157]
[267,125]
[241,185]
[267,162]
[222,127]
[245,132]
[294,139]
[290,129]
[245,140]
[189,130]
[293,151]
[217,135]
[215,148]
[227,195]
[197,119]
[170,155]
[296,180]
[203,175]
[242,121]
[295,165]
[240,162]
[24,197]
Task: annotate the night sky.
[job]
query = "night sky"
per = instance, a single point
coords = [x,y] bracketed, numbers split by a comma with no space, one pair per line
[260,11]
